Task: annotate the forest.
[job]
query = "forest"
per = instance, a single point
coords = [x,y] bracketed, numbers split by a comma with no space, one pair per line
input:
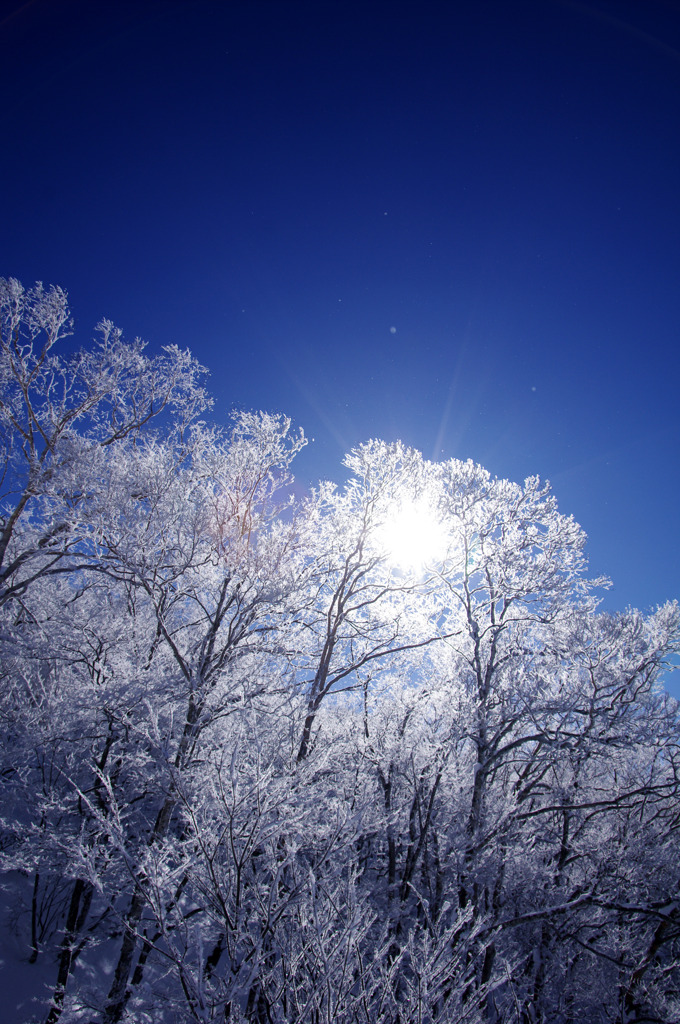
[367,754]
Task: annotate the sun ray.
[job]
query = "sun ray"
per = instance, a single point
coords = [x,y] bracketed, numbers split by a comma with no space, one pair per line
[412,536]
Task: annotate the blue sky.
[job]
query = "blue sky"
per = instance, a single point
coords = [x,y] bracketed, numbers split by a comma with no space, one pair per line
[457,224]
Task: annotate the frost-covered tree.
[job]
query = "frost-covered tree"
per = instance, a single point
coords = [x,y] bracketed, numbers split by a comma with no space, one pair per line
[368,755]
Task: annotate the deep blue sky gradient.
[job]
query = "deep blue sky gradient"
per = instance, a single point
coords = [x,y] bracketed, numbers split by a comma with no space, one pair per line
[457,224]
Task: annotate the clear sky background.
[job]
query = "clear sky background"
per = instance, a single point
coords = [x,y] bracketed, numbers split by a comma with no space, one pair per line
[457,224]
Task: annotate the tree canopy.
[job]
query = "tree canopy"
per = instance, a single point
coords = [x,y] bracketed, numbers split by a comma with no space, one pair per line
[271,758]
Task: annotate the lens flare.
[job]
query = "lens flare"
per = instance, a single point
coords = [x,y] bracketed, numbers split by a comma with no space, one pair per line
[412,537]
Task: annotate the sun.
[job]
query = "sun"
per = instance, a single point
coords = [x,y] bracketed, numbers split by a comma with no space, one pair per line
[412,536]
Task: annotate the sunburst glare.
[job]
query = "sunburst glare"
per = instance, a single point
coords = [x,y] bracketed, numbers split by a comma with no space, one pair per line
[412,536]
